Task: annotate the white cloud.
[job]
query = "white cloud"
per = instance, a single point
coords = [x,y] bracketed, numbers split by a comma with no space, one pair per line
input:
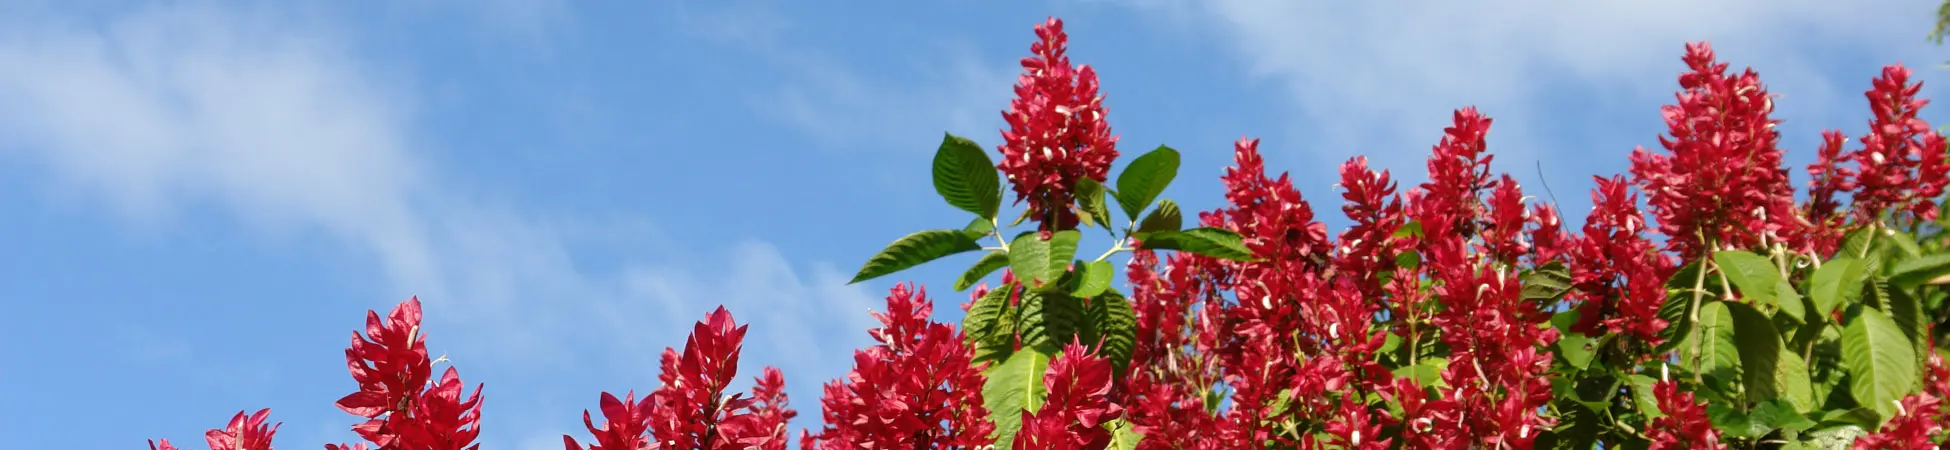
[1380,78]
[273,120]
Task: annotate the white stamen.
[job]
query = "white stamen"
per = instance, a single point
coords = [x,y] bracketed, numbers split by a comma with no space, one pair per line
[1355,438]
[1334,330]
[1665,372]
[1266,301]
[1877,156]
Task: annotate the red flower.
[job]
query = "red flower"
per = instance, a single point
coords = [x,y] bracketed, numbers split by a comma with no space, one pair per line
[1619,276]
[243,433]
[1722,180]
[1826,179]
[390,362]
[693,412]
[624,424]
[440,420]
[1901,163]
[1918,420]
[764,428]
[1079,385]
[1057,134]
[1685,425]
[403,411]
[916,389]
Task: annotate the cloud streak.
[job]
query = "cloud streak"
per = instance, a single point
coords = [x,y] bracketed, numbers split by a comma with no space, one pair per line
[280,124]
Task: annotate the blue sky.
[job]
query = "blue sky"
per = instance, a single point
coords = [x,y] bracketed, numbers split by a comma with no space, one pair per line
[201,199]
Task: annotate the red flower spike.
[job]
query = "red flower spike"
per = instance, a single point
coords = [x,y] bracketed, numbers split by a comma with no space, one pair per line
[1685,425]
[1619,276]
[1901,166]
[1826,179]
[243,433]
[1721,178]
[692,403]
[1057,134]
[624,424]
[1079,387]
[390,362]
[915,389]
[1917,423]
[770,412]
[440,419]
[164,445]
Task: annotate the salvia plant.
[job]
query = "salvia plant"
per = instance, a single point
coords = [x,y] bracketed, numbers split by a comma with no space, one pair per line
[1456,313]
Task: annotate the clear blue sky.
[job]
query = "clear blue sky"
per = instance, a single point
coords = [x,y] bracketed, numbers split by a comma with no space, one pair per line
[200,199]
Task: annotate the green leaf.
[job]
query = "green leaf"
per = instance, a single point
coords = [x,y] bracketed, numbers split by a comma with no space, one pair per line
[1041,263]
[1768,369]
[1090,199]
[1427,373]
[1754,275]
[1145,178]
[1115,322]
[1881,363]
[1122,435]
[1547,282]
[1206,241]
[1858,243]
[979,227]
[1719,351]
[1052,319]
[988,264]
[965,177]
[1790,301]
[1915,272]
[1837,282]
[1576,348]
[915,249]
[1909,316]
[1675,311]
[1165,218]
[1778,415]
[990,326]
[1013,387]
[1642,397]
[1094,279]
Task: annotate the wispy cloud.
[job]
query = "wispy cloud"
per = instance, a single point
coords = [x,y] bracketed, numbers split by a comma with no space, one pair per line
[1380,78]
[278,123]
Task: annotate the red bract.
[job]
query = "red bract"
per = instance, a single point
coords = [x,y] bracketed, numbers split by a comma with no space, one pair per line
[1078,404]
[624,424]
[694,412]
[1917,422]
[243,433]
[1826,179]
[1057,133]
[1685,425]
[390,362]
[769,415]
[1901,163]
[1721,181]
[439,419]
[1618,274]
[403,410]
[916,389]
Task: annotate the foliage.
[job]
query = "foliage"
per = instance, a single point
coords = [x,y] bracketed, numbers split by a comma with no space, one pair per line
[1454,314]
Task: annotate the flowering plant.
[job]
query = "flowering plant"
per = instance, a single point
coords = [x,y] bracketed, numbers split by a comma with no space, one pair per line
[1454,313]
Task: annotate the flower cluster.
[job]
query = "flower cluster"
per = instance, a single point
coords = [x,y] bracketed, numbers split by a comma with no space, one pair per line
[1685,425]
[1900,167]
[1079,385]
[1057,134]
[693,410]
[916,389]
[1722,184]
[243,433]
[1620,276]
[403,407]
